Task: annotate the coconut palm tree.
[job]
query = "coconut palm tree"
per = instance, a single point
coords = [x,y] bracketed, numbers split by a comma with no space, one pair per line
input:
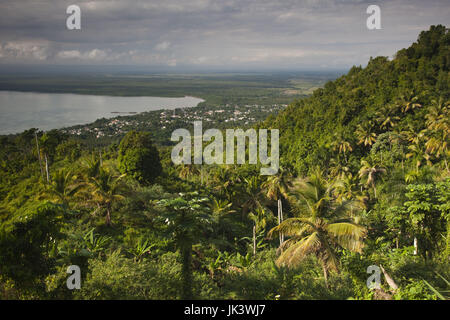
[386,117]
[261,217]
[438,125]
[276,188]
[321,225]
[188,170]
[92,167]
[337,169]
[252,194]
[341,145]
[221,208]
[224,181]
[418,152]
[253,200]
[408,101]
[63,186]
[365,133]
[104,190]
[371,171]
[413,136]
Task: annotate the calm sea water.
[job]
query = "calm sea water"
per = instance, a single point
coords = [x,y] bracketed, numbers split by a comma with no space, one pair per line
[24,110]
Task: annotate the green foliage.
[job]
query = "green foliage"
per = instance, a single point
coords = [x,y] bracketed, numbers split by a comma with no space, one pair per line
[26,244]
[365,172]
[186,218]
[138,157]
[121,278]
[416,290]
[360,106]
[429,215]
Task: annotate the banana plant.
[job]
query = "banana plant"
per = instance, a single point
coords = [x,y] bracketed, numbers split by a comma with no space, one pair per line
[94,243]
[140,249]
[242,261]
[260,237]
[220,263]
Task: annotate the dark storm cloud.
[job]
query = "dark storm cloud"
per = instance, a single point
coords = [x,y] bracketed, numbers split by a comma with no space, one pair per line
[212,33]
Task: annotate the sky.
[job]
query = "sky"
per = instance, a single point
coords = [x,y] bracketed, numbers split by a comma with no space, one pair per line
[212,34]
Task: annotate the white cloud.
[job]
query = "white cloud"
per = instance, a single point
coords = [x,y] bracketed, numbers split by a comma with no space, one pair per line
[212,32]
[162,46]
[69,54]
[95,54]
[24,50]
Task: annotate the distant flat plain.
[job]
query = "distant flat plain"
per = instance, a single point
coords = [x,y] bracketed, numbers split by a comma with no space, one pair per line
[59,100]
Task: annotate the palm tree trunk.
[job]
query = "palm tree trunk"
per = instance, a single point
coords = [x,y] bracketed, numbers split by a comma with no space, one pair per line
[108,217]
[254,239]
[389,280]
[280,220]
[46,168]
[325,275]
[39,155]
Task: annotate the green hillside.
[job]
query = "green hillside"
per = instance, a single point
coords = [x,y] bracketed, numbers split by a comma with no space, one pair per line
[364,187]
[368,101]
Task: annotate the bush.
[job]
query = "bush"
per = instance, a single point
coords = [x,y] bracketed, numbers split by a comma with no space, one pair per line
[139,158]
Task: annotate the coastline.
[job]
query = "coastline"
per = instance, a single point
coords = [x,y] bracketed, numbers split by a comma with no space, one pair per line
[22,110]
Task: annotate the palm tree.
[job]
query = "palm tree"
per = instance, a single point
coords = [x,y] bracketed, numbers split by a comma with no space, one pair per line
[188,170]
[419,153]
[253,203]
[371,171]
[320,227]
[408,101]
[438,123]
[413,136]
[63,186]
[365,133]
[220,209]
[387,117]
[92,167]
[252,194]
[261,218]
[345,190]
[416,148]
[45,145]
[337,169]
[225,182]
[105,189]
[276,188]
[341,145]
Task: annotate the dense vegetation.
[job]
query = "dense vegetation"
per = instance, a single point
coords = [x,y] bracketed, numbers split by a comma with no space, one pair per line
[365,181]
[224,88]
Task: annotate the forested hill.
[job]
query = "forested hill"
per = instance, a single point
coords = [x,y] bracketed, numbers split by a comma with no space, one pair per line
[348,114]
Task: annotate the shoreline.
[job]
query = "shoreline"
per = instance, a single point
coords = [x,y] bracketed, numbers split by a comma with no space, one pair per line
[98,109]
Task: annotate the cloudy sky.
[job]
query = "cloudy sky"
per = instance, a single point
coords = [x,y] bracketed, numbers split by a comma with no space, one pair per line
[216,34]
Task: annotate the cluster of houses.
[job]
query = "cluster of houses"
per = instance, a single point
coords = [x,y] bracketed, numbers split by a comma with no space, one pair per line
[227,113]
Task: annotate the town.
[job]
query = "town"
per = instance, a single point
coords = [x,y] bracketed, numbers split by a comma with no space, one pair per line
[162,123]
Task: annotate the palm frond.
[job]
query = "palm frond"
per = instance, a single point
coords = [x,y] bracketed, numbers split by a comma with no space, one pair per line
[299,250]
